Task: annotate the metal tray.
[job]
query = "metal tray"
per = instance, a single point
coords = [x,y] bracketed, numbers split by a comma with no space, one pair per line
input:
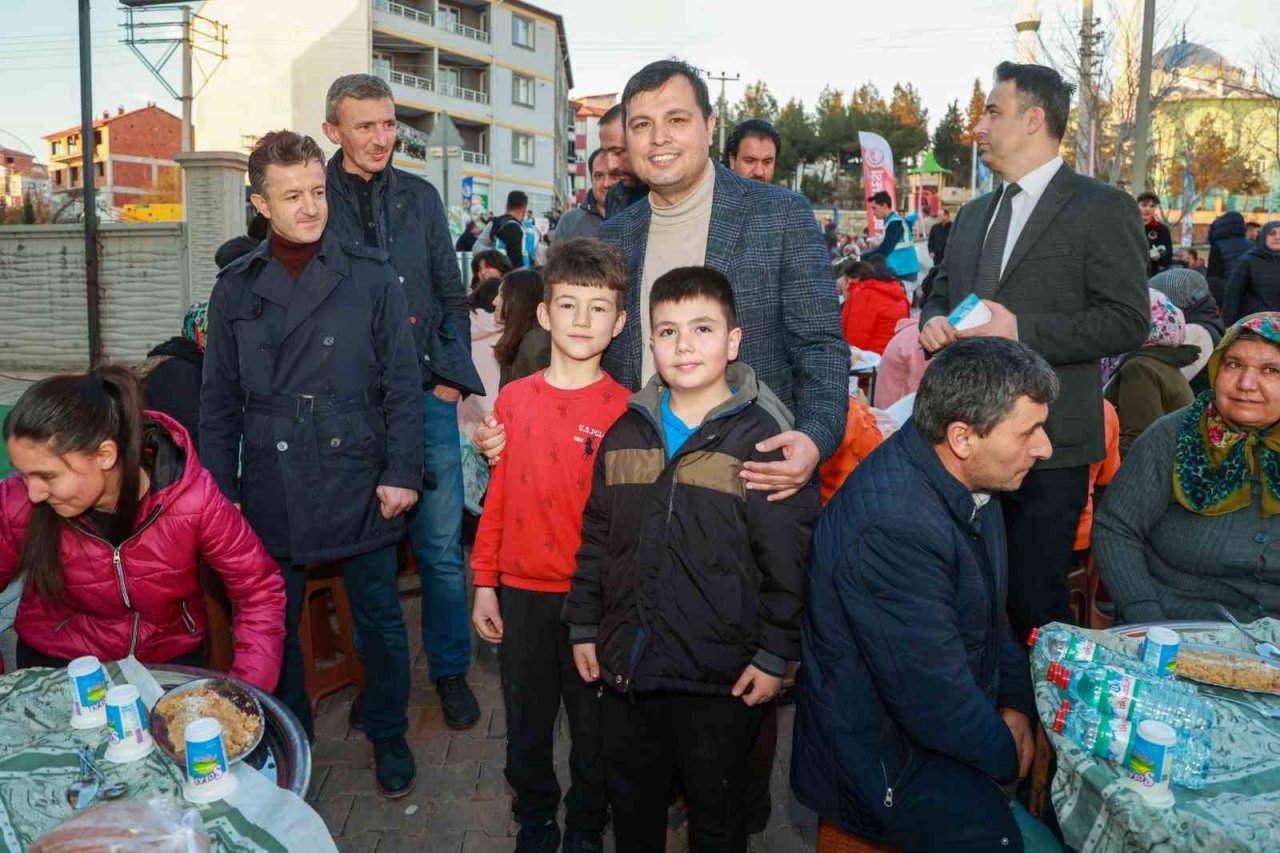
[224,687]
[1138,630]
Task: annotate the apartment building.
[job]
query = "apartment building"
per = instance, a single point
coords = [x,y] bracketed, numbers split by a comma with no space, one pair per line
[21,177]
[588,110]
[498,68]
[132,151]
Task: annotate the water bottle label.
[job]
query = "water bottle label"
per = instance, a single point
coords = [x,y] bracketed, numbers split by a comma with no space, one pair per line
[1114,737]
[206,761]
[1123,690]
[1081,649]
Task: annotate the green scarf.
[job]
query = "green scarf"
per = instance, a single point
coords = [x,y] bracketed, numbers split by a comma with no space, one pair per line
[1215,460]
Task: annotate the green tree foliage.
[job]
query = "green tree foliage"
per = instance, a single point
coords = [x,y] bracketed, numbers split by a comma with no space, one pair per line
[977,104]
[799,142]
[949,145]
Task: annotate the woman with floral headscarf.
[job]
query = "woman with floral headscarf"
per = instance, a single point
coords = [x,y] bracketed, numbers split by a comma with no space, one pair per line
[171,374]
[1147,383]
[1193,517]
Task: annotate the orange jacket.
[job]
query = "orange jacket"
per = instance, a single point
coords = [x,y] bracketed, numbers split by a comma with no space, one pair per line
[861,436]
[871,312]
[1100,473]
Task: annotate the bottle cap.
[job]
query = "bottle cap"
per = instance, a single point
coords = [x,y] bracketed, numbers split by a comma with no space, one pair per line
[1163,636]
[1033,637]
[1060,718]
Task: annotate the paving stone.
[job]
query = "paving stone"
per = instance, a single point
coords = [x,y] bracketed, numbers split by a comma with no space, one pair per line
[431,750]
[376,814]
[366,843]
[492,783]
[465,750]
[426,722]
[447,842]
[355,752]
[487,816]
[454,782]
[334,812]
[481,842]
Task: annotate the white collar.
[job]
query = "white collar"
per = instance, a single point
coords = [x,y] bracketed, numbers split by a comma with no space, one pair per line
[1034,183]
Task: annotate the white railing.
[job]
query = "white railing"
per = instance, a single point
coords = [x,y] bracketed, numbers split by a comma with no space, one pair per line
[410,133]
[424,83]
[463,30]
[463,93]
[476,157]
[403,11]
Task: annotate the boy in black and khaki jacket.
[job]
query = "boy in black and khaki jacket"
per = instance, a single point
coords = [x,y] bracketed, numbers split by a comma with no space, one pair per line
[687,598]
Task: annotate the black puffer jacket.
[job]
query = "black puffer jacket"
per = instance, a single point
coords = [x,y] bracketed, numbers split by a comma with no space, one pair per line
[1255,284]
[685,577]
[171,378]
[1227,244]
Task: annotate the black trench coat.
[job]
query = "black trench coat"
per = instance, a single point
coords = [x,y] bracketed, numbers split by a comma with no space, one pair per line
[313,388]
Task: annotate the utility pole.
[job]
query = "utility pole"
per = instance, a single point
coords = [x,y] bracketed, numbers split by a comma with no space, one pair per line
[186,78]
[723,107]
[1084,133]
[1142,132]
[89,174]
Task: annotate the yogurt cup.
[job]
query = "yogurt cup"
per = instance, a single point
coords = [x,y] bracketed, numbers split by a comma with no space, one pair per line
[1150,763]
[88,682]
[127,725]
[1160,650]
[208,775]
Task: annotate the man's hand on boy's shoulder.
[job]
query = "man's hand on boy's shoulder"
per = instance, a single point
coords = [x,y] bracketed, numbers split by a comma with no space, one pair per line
[789,475]
[584,658]
[486,616]
[756,686]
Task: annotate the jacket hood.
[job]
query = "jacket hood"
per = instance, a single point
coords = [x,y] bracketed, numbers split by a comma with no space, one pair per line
[1229,224]
[904,322]
[1260,250]
[168,450]
[890,288]
[1179,356]
[648,399]
[179,347]
[484,325]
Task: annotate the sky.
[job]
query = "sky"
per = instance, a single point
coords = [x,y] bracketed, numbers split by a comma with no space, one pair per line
[939,46]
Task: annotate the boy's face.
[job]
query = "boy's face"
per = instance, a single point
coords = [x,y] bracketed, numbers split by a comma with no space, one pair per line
[582,320]
[692,343]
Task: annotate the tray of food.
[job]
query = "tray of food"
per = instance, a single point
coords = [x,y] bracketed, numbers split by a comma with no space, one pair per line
[236,709]
[1225,667]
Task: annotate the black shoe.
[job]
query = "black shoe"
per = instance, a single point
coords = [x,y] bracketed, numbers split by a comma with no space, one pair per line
[355,717]
[394,767]
[544,838]
[461,710]
[578,841]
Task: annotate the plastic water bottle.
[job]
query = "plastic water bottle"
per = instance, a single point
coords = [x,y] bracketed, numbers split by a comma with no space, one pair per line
[1058,645]
[1117,693]
[1112,739]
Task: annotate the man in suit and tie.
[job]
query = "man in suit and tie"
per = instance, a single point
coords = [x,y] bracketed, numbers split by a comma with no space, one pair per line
[1061,261]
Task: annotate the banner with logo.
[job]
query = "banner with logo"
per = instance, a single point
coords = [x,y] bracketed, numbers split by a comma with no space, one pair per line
[877,175]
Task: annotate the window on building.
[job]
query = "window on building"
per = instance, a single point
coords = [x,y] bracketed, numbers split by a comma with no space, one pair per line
[447,18]
[97,138]
[522,90]
[522,148]
[57,178]
[102,170]
[522,31]
[75,175]
[73,144]
[57,147]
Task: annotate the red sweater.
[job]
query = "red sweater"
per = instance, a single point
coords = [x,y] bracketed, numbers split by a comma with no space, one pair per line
[871,312]
[532,521]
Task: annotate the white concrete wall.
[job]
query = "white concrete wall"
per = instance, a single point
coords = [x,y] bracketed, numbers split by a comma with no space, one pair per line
[43,312]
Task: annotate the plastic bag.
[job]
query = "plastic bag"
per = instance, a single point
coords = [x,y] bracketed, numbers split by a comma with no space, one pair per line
[158,825]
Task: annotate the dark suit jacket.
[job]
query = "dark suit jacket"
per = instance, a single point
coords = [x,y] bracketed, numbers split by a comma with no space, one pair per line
[1077,282]
[765,240]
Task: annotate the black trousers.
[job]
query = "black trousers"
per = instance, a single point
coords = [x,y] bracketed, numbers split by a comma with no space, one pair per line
[1040,522]
[758,797]
[705,741]
[536,663]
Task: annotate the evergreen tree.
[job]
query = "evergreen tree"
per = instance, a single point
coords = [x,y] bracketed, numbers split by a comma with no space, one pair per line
[949,145]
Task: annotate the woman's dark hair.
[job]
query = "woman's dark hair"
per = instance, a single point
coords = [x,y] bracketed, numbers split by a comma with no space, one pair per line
[76,413]
[521,293]
[491,258]
[482,296]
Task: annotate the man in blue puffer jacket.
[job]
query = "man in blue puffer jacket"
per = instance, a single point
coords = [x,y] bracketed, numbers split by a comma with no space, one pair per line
[914,709]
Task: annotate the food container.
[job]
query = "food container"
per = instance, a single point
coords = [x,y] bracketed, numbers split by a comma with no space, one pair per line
[233,692]
[208,774]
[88,693]
[1160,650]
[1150,763]
[127,726]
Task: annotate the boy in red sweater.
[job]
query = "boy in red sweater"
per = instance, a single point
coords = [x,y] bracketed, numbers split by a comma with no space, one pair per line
[529,534]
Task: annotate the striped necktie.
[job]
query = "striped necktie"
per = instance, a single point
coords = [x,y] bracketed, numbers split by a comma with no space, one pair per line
[992,257]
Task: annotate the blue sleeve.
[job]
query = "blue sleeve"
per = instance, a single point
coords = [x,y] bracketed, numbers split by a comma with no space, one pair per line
[892,234]
[221,396]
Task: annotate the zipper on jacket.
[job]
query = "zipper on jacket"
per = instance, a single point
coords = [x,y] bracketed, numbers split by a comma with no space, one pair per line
[118,563]
[62,623]
[888,788]
[187,620]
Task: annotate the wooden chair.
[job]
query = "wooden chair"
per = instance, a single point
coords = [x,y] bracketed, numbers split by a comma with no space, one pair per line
[833,839]
[218,641]
[327,635]
[1098,619]
[1041,774]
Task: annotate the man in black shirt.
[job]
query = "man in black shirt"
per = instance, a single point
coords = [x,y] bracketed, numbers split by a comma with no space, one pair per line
[509,228]
[938,236]
[1159,242]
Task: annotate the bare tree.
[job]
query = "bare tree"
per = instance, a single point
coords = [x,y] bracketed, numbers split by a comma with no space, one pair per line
[1261,129]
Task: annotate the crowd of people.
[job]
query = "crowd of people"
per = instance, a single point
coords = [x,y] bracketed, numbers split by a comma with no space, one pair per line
[680,494]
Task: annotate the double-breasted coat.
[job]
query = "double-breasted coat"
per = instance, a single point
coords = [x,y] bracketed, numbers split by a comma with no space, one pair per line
[312,398]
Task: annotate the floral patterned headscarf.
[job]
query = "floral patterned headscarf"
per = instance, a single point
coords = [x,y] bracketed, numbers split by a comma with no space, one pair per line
[195,326]
[1168,329]
[1216,460]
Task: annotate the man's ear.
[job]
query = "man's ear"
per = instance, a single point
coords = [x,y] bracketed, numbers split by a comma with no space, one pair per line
[260,204]
[331,132]
[959,436]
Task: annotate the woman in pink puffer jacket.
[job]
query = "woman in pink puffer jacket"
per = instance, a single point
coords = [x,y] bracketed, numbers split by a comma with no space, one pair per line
[106,519]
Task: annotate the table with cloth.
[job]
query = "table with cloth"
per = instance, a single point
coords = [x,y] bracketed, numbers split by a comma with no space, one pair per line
[1237,810]
[38,761]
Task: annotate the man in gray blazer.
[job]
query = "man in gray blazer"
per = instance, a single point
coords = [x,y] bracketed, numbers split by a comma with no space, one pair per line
[1061,261]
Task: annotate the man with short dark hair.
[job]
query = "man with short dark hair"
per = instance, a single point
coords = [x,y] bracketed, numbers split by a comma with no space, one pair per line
[896,245]
[752,150]
[938,235]
[585,219]
[1159,242]
[506,230]
[1251,230]
[381,208]
[626,189]
[913,719]
[1061,262]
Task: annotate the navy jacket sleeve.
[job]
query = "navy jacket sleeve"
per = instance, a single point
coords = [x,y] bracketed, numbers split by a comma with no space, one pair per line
[221,395]
[584,605]
[892,234]
[1015,690]
[401,388]
[899,598]
[814,341]
[446,281]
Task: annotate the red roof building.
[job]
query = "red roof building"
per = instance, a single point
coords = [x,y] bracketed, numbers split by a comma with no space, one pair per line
[132,152]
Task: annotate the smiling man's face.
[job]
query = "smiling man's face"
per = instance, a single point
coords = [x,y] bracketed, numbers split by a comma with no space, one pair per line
[669,139]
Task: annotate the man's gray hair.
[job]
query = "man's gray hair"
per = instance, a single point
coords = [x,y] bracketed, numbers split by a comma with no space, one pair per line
[977,381]
[362,87]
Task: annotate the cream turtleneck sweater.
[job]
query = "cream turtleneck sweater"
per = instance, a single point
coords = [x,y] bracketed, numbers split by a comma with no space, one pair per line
[677,238]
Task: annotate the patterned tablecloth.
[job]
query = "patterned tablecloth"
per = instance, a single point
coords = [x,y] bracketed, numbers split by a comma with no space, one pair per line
[38,761]
[1239,808]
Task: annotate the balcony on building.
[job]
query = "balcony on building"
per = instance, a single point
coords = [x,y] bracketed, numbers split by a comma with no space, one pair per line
[463,24]
[432,79]
[413,146]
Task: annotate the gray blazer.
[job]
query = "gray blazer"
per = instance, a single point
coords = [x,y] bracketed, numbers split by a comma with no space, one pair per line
[1077,282]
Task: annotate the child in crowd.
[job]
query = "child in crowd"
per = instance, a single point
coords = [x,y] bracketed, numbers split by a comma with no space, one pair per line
[524,346]
[529,534]
[686,603]
[874,305]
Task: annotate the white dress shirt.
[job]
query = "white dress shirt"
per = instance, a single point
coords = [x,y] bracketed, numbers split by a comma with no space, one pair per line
[1033,185]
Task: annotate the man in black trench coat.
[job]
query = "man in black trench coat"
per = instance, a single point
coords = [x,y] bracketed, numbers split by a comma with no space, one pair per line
[311,420]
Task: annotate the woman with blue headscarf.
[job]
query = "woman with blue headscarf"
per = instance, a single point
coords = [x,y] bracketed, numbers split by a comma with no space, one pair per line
[1255,283]
[171,374]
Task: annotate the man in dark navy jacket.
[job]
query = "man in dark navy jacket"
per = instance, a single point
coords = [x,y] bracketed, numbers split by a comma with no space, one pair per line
[914,709]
